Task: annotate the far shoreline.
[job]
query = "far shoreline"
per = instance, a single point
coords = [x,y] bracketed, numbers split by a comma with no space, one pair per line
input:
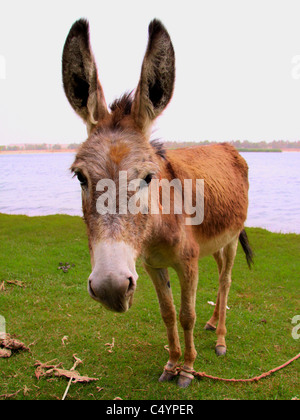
[30,152]
[35,152]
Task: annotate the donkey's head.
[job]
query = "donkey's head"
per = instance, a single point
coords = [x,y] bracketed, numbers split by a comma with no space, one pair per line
[118,144]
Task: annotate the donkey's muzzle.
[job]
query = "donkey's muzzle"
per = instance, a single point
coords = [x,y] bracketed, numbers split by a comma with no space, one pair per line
[114,277]
[115,294]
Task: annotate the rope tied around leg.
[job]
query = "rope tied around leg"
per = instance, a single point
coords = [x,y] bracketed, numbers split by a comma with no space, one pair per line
[187,372]
[172,369]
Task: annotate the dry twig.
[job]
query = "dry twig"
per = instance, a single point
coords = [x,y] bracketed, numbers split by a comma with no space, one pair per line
[111,346]
[49,369]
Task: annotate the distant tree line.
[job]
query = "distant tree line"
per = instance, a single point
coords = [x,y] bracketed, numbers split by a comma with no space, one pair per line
[278,144]
[44,146]
[245,144]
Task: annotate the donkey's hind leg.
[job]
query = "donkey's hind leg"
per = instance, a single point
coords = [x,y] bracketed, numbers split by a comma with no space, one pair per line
[229,255]
[211,325]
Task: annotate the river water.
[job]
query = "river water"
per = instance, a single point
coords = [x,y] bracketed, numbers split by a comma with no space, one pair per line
[41,184]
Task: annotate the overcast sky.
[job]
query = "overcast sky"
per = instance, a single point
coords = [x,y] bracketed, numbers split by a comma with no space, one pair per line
[237,73]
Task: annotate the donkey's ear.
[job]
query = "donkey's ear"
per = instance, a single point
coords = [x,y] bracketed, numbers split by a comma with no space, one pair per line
[156,83]
[80,76]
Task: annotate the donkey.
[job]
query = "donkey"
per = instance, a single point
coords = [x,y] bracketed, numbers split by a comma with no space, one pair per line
[119,140]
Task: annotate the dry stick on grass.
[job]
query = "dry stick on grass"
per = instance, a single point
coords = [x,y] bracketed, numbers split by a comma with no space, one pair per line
[39,372]
[64,340]
[77,362]
[49,369]
[111,346]
[5,353]
[16,283]
[13,282]
[10,395]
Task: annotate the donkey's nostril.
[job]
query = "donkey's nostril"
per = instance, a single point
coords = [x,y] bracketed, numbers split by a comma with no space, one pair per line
[131,286]
[91,289]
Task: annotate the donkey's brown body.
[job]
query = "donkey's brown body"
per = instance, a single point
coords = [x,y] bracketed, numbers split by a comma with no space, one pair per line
[119,142]
[173,244]
[226,188]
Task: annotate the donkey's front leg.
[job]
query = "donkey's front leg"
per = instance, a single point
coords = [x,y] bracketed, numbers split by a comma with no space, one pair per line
[188,276]
[160,278]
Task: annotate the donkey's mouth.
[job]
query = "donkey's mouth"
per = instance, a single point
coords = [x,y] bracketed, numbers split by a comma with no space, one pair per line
[120,307]
[111,304]
[130,302]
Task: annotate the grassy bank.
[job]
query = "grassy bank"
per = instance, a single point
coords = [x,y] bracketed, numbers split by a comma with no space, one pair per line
[52,305]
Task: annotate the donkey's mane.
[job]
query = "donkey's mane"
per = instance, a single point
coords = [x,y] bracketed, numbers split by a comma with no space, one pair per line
[159,148]
[123,103]
[122,107]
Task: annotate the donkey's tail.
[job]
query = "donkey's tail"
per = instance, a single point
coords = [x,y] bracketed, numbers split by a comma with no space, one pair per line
[246,247]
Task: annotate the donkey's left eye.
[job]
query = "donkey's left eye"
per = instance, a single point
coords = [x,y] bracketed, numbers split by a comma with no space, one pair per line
[148,179]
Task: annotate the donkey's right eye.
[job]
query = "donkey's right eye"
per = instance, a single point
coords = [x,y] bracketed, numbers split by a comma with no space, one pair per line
[82,179]
[148,178]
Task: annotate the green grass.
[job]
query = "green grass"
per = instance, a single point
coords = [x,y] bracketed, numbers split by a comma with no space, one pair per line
[54,304]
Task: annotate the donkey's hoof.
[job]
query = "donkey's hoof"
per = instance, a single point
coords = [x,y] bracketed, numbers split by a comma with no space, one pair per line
[185,377]
[184,382]
[166,377]
[221,350]
[210,327]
